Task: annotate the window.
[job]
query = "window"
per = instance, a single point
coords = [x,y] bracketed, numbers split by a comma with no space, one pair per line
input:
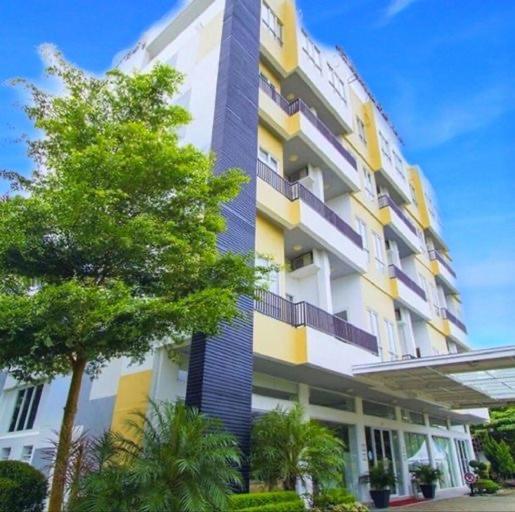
[422,241]
[271,280]
[6,453]
[385,147]
[397,163]
[373,324]
[436,422]
[312,50]
[265,157]
[336,83]
[368,179]
[423,284]
[362,230]
[417,418]
[392,346]
[379,252]
[381,410]
[26,453]
[25,408]
[433,298]
[413,195]
[278,394]
[362,134]
[272,22]
[330,399]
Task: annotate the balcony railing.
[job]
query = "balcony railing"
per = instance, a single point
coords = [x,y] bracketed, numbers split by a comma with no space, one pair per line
[435,255]
[299,106]
[454,319]
[305,314]
[295,191]
[385,201]
[397,273]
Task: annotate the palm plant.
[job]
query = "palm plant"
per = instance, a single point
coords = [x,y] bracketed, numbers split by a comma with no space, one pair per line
[285,448]
[177,460]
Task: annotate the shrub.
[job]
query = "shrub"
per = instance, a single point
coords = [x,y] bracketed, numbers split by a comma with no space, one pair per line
[289,506]
[22,487]
[343,507]
[487,486]
[244,501]
[333,497]
[480,469]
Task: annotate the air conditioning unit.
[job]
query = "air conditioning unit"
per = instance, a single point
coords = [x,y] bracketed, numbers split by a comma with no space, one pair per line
[301,261]
[303,176]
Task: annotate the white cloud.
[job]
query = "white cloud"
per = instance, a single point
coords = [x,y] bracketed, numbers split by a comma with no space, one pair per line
[395,7]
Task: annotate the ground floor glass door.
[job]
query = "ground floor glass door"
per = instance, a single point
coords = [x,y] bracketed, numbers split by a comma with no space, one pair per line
[382,444]
[463,458]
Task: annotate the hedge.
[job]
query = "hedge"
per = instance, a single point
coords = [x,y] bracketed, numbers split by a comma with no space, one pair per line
[288,506]
[22,487]
[488,486]
[244,501]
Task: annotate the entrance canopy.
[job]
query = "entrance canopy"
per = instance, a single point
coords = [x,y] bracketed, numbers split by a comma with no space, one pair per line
[475,379]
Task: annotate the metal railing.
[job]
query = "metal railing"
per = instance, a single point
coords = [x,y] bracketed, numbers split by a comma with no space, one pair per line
[295,191]
[385,201]
[298,105]
[435,255]
[397,273]
[454,319]
[303,313]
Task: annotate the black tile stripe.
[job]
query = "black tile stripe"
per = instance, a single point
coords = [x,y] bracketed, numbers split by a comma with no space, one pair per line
[220,368]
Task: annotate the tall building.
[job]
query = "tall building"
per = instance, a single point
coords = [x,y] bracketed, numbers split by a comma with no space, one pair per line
[362,320]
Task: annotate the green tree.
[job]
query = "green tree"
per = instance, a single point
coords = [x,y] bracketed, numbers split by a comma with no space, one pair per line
[112,245]
[286,447]
[178,460]
[22,487]
[500,427]
[499,456]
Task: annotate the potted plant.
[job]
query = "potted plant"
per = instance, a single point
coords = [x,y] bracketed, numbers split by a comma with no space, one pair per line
[381,479]
[427,476]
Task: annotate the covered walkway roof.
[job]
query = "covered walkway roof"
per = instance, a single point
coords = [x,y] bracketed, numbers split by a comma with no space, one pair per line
[475,379]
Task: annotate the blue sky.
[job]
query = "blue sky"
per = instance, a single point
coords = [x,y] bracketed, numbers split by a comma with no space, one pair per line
[444,71]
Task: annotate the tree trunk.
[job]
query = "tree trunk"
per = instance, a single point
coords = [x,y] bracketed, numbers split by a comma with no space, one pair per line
[65,438]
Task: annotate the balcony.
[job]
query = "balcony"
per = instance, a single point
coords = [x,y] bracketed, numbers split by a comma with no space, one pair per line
[276,196]
[408,293]
[296,120]
[398,226]
[443,271]
[454,327]
[314,336]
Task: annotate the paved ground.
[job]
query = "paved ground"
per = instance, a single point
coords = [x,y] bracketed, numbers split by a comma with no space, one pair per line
[504,501]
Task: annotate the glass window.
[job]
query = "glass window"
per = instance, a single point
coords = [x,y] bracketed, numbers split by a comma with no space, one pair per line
[380,410]
[397,163]
[272,22]
[442,457]
[273,393]
[417,418]
[331,399]
[312,50]
[368,180]
[5,453]
[392,345]
[379,251]
[26,454]
[268,159]
[271,280]
[336,83]
[385,147]
[362,133]
[417,450]
[436,422]
[363,231]
[25,408]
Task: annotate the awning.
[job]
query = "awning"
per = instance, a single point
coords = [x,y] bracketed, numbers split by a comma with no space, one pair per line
[475,379]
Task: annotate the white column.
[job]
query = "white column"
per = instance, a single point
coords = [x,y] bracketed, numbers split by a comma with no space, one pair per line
[404,457]
[325,299]
[362,458]
[317,186]
[305,489]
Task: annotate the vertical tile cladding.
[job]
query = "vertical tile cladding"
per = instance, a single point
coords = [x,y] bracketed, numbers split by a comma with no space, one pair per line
[220,370]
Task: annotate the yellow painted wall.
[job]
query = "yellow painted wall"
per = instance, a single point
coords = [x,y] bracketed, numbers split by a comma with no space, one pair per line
[372,136]
[284,56]
[272,77]
[438,341]
[279,340]
[276,205]
[270,243]
[271,143]
[132,396]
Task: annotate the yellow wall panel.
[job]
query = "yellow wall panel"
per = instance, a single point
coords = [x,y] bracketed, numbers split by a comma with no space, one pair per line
[132,396]
[279,340]
[210,37]
[272,144]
